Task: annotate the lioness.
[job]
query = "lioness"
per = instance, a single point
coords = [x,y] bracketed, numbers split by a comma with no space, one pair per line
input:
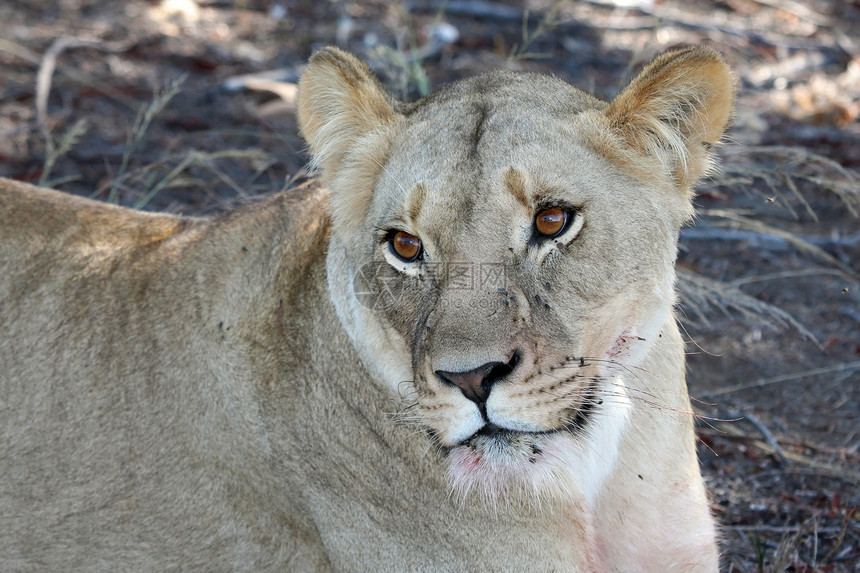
[458,354]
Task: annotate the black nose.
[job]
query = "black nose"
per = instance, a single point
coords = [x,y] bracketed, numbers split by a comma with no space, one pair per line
[476,384]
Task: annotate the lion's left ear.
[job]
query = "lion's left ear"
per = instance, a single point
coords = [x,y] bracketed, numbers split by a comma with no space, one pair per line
[676,109]
[346,118]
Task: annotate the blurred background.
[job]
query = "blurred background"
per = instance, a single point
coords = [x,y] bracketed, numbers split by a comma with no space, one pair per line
[188,106]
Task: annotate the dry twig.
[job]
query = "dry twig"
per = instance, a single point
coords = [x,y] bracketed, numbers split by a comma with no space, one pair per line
[48,64]
[708,394]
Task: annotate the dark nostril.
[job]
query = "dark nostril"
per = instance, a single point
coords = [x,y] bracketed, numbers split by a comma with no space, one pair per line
[499,370]
[473,383]
[476,384]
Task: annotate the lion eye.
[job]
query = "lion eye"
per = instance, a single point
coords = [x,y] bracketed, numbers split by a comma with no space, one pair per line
[407,247]
[551,222]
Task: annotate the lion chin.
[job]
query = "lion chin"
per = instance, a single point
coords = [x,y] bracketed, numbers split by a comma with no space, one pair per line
[505,466]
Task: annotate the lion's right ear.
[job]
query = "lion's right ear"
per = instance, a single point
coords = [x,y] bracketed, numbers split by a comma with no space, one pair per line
[676,109]
[347,118]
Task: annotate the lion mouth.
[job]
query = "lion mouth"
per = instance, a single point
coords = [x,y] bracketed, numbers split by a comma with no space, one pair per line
[500,463]
[575,421]
[494,432]
[492,435]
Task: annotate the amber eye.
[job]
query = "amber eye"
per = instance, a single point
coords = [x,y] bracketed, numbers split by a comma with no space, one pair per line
[405,246]
[551,222]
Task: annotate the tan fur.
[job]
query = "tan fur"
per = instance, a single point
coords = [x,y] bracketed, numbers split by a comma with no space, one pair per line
[259,392]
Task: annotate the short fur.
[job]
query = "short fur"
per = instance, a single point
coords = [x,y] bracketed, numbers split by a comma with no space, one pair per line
[258,391]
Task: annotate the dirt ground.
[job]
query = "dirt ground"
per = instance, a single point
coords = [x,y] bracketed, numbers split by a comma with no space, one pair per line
[144,102]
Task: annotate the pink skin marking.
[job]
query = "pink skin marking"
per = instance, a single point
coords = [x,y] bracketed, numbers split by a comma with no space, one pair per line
[619,349]
[623,344]
[465,460]
[620,345]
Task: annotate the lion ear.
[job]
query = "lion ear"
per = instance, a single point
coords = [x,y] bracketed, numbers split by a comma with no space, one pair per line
[346,118]
[676,109]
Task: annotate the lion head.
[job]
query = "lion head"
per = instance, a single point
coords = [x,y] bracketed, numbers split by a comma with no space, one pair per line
[502,252]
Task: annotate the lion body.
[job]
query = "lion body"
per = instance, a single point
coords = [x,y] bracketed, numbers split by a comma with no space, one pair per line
[181,393]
